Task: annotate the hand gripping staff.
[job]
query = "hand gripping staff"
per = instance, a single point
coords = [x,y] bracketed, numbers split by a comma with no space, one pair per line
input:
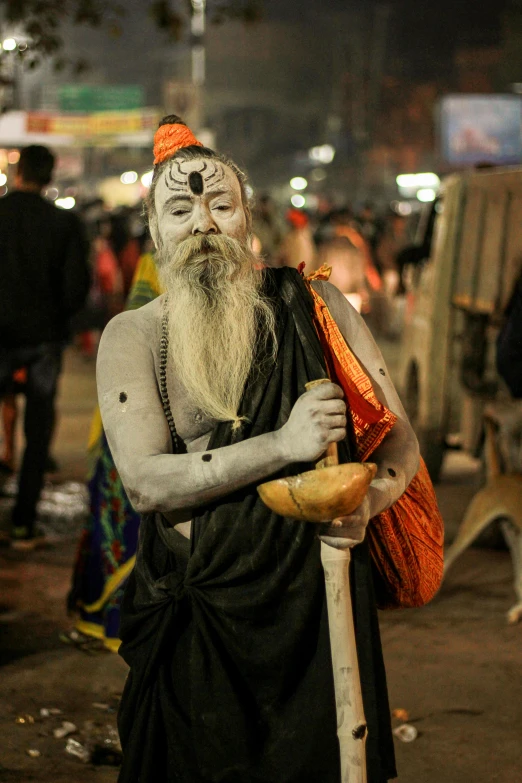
[329,492]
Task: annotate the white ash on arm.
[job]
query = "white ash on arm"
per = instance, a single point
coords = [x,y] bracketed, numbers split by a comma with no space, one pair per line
[397,457]
[154,478]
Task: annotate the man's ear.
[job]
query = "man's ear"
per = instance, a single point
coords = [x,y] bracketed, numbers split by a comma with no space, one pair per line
[154,232]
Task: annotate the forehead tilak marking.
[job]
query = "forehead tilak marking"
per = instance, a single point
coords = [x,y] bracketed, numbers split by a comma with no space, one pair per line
[173,182]
[170,180]
[203,166]
[193,180]
[215,176]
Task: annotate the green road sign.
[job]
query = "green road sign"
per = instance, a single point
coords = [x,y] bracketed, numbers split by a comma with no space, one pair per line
[89,98]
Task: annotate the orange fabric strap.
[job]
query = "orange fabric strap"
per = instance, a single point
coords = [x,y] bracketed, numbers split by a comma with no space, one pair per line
[406,540]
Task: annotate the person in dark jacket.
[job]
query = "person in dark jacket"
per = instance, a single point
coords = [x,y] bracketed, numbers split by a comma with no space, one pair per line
[44,281]
[509,344]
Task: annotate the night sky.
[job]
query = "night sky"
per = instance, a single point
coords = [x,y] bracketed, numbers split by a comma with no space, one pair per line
[421,39]
[422,33]
[443,19]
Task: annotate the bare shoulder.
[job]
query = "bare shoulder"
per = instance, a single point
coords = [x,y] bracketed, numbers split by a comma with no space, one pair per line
[127,361]
[345,316]
[142,325]
[361,342]
[129,347]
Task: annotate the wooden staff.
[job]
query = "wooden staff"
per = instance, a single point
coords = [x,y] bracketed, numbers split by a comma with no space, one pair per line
[351,724]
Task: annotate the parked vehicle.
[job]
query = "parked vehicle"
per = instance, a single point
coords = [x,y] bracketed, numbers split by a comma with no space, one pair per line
[461,277]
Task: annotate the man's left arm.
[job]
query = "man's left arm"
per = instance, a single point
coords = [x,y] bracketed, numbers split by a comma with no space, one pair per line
[397,457]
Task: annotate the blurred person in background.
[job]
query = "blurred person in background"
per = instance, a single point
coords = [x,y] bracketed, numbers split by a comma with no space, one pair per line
[370,225]
[343,247]
[126,246]
[267,229]
[106,291]
[108,282]
[109,538]
[44,281]
[324,229]
[393,240]
[297,246]
[347,270]
[344,225]
[10,416]
[9,421]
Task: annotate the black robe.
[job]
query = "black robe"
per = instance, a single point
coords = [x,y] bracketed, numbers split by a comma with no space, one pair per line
[230,665]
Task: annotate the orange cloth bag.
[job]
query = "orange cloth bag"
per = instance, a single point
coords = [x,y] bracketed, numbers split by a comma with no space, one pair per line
[406,540]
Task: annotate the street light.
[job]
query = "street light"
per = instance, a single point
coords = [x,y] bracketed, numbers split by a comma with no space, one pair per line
[146,179]
[9,44]
[403,208]
[65,203]
[129,177]
[426,180]
[426,195]
[298,201]
[325,153]
[298,183]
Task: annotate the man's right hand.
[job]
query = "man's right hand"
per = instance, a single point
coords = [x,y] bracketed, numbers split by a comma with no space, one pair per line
[318,418]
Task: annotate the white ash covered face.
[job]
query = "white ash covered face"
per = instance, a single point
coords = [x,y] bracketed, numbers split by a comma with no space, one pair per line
[216,308]
[194,197]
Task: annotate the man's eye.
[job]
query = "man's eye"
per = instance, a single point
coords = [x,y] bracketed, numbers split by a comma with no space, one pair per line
[222,207]
[179,212]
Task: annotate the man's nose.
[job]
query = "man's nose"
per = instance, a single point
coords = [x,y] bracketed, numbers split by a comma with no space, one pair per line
[204,222]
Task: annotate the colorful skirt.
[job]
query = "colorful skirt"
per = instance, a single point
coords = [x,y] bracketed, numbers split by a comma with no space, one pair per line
[106,553]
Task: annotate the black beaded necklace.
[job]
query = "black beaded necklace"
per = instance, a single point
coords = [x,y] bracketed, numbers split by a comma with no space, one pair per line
[178,444]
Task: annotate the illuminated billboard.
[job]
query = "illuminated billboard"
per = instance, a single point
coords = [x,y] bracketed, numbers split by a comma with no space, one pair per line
[481,129]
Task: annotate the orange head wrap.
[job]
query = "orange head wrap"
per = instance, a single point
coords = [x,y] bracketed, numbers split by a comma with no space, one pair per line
[170,138]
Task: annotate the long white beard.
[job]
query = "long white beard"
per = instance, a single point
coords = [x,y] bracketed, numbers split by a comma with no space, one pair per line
[217,316]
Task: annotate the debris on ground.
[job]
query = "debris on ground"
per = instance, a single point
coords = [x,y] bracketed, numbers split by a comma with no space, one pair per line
[100,745]
[97,742]
[82,642]
[61,506]
[65,729]
[24,719]
[406,732]
[76,749]
[47,712]
[60,509]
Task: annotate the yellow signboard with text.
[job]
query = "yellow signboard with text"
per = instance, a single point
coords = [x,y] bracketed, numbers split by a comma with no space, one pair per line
[106,123]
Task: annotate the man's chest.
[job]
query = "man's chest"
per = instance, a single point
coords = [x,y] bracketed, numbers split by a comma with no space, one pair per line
[192,425]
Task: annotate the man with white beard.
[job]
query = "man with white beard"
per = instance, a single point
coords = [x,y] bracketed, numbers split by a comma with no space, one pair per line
[202,394]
